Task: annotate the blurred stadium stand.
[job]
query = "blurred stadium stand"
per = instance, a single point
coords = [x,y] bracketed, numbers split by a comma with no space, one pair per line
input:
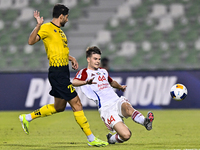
[133,34]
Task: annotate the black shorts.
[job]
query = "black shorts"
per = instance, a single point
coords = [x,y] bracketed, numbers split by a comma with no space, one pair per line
[59,78]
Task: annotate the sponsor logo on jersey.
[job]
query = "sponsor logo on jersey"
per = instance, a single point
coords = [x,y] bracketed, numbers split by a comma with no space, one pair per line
[103,86]
[101,78]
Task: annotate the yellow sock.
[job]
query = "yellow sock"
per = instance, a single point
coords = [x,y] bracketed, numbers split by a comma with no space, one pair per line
[82,121]
[46,110]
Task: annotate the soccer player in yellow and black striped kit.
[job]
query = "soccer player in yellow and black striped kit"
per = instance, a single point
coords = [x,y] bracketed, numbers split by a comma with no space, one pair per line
[57,50]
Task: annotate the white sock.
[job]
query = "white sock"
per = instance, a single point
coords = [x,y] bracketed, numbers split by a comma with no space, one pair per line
[90,137]
[115,139]
[29,118]
[138,117]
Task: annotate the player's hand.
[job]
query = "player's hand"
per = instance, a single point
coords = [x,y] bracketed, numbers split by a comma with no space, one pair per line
[90,81]
[74,64]
[39,19]
[123,88]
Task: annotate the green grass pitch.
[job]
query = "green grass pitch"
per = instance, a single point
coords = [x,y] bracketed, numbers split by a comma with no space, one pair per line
[172,129]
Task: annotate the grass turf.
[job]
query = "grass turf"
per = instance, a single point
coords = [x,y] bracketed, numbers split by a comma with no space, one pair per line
[172,129]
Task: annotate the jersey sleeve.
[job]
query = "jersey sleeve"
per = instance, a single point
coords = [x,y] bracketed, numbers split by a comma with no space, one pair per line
[43,31]
[109,79]
[81,75]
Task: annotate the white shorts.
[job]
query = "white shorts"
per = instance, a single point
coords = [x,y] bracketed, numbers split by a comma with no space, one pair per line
[112,114]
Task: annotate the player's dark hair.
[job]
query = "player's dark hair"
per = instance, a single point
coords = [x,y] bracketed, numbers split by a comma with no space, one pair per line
[92,50]
[59,9]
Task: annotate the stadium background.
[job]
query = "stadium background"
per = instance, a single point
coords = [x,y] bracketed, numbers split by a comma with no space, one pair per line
[151,39]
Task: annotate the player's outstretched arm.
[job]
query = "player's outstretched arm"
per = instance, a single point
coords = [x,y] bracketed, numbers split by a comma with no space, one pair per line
[77,82]
[33,38]
[116,85]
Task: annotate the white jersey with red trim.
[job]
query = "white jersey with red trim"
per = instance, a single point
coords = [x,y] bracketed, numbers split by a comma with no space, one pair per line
[102,91]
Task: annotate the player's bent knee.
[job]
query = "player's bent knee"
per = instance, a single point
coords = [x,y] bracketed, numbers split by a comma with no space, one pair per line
[60,109]
[126,136]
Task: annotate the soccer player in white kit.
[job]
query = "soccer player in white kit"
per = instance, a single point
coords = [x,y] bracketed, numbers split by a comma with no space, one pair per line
[97,85]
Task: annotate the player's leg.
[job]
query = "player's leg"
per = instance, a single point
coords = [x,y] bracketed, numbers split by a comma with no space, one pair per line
[128,111]
[46,110]
[80,118]
[79,115]
[123,134]
[49,109]
[60,104]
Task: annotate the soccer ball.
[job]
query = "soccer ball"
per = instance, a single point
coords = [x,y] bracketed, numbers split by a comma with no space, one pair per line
[178,92]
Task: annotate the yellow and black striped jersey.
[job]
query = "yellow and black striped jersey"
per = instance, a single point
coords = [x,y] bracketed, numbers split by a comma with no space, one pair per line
[55,42]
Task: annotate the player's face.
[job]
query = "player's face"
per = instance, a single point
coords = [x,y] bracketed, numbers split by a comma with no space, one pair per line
[64,20]
[94,61]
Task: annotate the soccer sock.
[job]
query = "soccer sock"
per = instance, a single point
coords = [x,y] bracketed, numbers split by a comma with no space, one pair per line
[28,117]
[83,123]
[138,117]
[115,138]
[46,110]
[90,137]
